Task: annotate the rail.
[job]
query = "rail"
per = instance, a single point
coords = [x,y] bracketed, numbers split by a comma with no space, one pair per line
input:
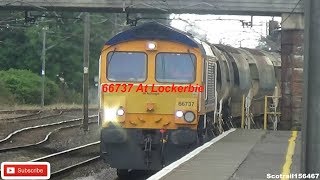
[65,151]
[42,141]
[42,126]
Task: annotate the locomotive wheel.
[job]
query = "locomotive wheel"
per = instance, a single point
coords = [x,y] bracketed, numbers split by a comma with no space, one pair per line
[216,130]
[201,131]
[123,173]
[207,133]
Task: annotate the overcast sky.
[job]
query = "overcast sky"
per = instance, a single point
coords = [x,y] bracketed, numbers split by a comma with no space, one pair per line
[227,31]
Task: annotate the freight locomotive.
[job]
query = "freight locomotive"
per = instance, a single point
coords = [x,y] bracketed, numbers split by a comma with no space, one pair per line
[143,128]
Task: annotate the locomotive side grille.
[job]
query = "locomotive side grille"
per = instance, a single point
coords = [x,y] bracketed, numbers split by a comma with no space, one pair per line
[211,83]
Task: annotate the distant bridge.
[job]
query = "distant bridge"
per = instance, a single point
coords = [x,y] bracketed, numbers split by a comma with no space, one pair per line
[236,7]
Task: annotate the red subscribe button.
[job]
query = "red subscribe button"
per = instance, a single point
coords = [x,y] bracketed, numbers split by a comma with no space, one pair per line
[25,170]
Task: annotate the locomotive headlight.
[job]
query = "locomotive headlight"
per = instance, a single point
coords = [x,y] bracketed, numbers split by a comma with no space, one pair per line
[189,116]
[151,45]
[120,112]
[110,114]
[179,114]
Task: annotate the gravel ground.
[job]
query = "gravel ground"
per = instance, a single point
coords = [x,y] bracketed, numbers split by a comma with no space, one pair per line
[68,138]
[7,127]
[36,114]
[23,155]
[99,170]
[10,114]
[28,115]
[5,116]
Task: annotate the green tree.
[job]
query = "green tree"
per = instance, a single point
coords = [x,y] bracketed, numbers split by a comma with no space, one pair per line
[271,42]
[6,97]
[20,48]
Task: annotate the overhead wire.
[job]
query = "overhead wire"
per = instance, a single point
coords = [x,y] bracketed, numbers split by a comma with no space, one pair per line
[161,3]
[291,12]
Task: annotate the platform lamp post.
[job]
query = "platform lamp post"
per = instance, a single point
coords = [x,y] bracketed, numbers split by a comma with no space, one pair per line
[43,57]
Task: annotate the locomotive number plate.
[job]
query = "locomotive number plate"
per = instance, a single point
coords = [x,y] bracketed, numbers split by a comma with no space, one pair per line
[185,103]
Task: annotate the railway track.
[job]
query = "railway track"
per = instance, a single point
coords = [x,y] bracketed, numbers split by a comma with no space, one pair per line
[45,139]
[9,126]
[30,117]
[29,135]
[65,161]
[36,115]
[28,114]
[21,111]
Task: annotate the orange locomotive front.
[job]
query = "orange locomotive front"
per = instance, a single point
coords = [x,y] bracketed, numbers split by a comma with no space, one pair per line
[151,91]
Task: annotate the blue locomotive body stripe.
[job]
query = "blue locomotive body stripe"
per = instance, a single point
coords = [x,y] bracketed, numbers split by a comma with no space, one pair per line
[152,31]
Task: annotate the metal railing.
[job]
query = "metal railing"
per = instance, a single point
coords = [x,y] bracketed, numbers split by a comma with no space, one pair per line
[242,112]
[269,109]
[276,114]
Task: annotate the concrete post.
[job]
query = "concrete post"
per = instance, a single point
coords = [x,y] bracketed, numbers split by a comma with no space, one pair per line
[311,125]
[291,70]
[43,71]
[86,54]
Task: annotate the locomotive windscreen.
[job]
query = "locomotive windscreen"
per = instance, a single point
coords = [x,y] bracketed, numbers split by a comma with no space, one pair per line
[175,67]
[127,66]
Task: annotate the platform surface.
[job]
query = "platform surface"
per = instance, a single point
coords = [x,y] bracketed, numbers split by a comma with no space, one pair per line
[240,155]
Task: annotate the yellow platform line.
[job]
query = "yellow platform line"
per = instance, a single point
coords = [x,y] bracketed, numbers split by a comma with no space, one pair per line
[290,152]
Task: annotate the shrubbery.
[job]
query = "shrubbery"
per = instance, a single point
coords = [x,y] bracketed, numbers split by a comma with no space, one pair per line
[25,87]
[69,96]
[6,96]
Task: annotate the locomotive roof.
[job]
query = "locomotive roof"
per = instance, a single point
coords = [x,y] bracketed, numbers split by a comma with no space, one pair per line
[151,31]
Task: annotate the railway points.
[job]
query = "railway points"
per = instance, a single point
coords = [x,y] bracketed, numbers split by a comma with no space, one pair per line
[239,154]
[45,139]
[12,125]
[43,127]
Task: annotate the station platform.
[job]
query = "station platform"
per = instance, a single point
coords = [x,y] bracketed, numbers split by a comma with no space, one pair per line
[239,154]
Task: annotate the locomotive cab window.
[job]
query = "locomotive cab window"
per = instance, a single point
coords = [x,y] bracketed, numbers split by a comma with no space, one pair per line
[175,67]
[127,66]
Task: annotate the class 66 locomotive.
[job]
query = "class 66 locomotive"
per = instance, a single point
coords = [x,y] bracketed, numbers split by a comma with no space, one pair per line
[163,93]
